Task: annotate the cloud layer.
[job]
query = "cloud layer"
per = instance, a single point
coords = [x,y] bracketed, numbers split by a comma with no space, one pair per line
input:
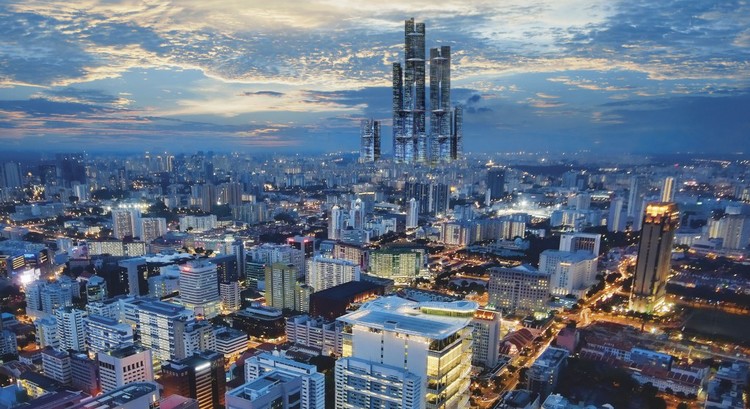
[569,74]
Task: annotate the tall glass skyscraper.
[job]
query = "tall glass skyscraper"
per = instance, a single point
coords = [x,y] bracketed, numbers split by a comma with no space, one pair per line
[411,141]
[369,150]
[409,127]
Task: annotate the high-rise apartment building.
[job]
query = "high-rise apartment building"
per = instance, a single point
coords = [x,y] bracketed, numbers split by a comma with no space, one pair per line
[369,150]
[126,223]
[412,214]
[152,228]
[280,285]
[654,257]
[402,354]
[70,328]
[324,272]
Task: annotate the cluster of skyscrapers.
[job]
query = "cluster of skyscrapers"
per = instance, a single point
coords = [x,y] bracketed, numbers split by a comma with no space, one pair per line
[412,141]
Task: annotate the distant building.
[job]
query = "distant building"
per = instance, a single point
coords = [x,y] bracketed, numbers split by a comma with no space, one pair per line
[369,150]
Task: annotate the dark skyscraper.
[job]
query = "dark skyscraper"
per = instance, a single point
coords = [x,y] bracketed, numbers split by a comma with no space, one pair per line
[370,141]
[654,256]
[409,128]
[440,104]
[496,182]
[411,142]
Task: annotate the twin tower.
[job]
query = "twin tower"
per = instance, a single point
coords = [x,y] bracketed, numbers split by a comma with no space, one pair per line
[411,141]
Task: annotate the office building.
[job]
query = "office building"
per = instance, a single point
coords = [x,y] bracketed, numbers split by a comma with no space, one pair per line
[409,127]
[397,353]
[280,285]
[654,257]
[569,272]
[119,367]
[542,376]
[312,389]
[520,290]
[200,376]
[229,293]
[199,290]
[56,365]
[587,242]
[155,326]
[486,333]
[324,273]
[369,150]
[70,330]
[230,342]
[104,333]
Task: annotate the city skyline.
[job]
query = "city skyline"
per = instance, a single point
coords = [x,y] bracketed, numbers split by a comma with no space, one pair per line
[656,78]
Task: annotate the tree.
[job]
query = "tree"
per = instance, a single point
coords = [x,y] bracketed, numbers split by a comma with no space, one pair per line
[683,405]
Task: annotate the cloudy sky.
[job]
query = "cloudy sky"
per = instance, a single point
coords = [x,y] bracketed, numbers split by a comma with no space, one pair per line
[246,75]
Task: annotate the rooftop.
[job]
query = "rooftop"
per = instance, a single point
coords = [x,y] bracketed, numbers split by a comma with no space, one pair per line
[436,320]
[347,290]
[120,396]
